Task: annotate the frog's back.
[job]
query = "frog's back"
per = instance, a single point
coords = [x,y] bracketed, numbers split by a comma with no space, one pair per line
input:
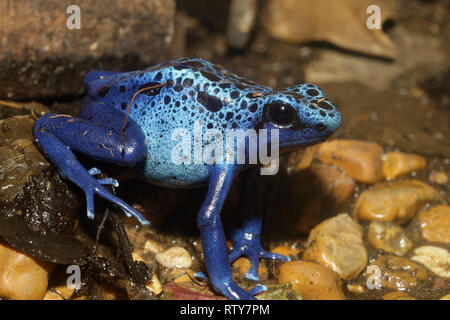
[183,92]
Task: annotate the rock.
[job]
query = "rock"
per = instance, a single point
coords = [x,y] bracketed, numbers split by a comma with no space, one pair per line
[50,295]
[312,280]
[309,21]
[243,264]
[154,285]
[434,258]
[397,201]
[396,164]
[355,288]
[302,159]
[174,257]
[21,276]
[388,237]
[399,273]
[181,275]
[40,57]
[438,177]
[240,22]
[338,244]
[435,224]
[288,251]
[397,295]
[314,194]
[446,297]
[361,160]
[152,246]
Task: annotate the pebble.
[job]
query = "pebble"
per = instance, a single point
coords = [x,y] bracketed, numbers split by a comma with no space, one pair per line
[398,273]
[50,295]
[434,258]
[338,244]
[396,201]
[182,275]
[446,297]
[438,177]
[388,237]
[21,276]
[356,288]
[361,160]
[435,224]
[289,251]
[152,246]
[312,280]
[154,285]
[243,265]
[396,164]
[397,295]
[174,257]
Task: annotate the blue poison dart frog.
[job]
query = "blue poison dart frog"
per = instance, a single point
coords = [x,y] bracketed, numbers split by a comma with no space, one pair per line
[128,119]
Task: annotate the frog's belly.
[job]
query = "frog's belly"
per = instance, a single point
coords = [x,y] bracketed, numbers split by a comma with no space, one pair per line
[158,168]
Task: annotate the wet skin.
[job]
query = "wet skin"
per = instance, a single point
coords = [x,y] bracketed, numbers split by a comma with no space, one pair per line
[174,95]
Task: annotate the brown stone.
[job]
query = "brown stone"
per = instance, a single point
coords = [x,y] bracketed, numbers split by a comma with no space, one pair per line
[438,177]
[361,160]
[396,164]
[388,237]
[243,264]
[312,280]
[397,201]
[21,276]
[41,57]
[338,244]
[288,251]
[435,224]
[399,273]
[397,295]
[434,258]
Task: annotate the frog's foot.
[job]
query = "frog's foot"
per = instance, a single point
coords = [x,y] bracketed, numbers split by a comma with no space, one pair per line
[93,186]
[249,245]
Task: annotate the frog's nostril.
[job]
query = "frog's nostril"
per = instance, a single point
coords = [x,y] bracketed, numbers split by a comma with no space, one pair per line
[320,126]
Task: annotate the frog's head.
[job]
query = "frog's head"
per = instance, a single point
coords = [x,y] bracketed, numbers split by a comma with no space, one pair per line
[302,114]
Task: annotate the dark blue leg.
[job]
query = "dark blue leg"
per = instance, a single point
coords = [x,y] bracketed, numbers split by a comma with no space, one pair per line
[213,237]
[247,239]
[58,135]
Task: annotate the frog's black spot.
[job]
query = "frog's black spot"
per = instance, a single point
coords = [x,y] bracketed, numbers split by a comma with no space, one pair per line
[311,85]
[216,91]
[180,67]
[141,74]
[331,115]
[195,64]
[252,95]
[325,105]
[225,85]
[224,125]
[234,125]
[243,104]
[150,92]
[169,83]
[122,77]
[221,115]
[184,108]
[200,110]
[241,86]
[211,103]
[184,97]
[238,117]
[312,92]
[322,113]
[210,76]
[312,107]
[188,82]
[249,119]
[158,76]
[210,125]
[122,88]
[143,113]
[253,107]
[103,91]
[192,114]
[234,94]
[211,116]
[153,104]
[123,105]
[178,87]
[229,116]
[206,86]
[192,93]
[166,99]
[319,127]
[177,104]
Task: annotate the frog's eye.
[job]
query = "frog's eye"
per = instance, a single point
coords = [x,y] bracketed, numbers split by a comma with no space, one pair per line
[281,114]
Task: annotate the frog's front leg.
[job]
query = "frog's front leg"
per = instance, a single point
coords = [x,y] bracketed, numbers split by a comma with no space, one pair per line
[247,239]
[57,135]
[213,236]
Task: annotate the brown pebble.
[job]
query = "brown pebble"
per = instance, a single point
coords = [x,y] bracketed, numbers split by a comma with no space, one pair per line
[397,295]
[361,160]
[396,201]
[435,224]
[396,164]
[439,177]
[388,237]
[312,280]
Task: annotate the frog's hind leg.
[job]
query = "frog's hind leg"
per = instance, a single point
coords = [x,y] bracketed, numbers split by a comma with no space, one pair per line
[247,239]
[59,135]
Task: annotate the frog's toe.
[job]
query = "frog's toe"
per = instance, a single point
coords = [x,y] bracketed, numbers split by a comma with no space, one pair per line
[257,289]
[109,181]
[94,171]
